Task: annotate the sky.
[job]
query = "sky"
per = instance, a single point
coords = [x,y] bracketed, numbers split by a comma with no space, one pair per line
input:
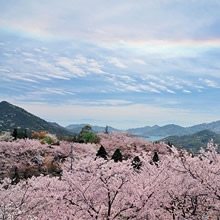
[121,63]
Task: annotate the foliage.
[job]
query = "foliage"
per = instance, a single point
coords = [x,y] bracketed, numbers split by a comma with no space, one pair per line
[86,129]
[117,156]
[180,186]
[136,163]
[155,157]
[39,135]
[15,133]
[87,136]
[102,153]
[46,138]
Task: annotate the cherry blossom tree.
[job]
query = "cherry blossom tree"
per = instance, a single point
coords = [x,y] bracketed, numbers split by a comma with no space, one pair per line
[178,186]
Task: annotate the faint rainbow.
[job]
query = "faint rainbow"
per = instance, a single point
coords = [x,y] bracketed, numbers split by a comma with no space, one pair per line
[180,43]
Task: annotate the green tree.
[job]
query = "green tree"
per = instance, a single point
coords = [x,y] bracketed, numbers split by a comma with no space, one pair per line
[85,129]
[102,153]
[87,136]
[136,163]
[155,157]
[117,156]
[15,133]
[106,129]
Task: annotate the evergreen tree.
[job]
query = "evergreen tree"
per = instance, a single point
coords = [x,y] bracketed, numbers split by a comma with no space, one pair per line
[15,133]
[155,158]
[106,129]
[117,156]
[102,153]
[136,163]
[25,133]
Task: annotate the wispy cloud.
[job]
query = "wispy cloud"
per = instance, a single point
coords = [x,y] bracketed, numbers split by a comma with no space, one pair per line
[13,76]
[186,91]
[163,88]
[210,83]
[115,61]
[27,54]
[139,61]
[99,56]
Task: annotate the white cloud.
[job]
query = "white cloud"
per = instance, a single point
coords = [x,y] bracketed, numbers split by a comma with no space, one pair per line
[27,54]
[69,65]
[116,62]
[30,60]
[186,91]
[54,71]
[37,50]
[147,88]
[126,78]
[163,88]
[37,75]
[210,83]
[139,61]
[13,76]
[113,102]
[80,67]
[4,70]
[7,54]
[109,21]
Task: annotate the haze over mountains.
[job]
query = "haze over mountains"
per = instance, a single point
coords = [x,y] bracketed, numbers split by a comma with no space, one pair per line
[173,129]
[76,128]
[12,116]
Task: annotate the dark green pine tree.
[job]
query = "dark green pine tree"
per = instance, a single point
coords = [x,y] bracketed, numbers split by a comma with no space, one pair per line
[15,133]
[117,156]
[155,157]
[102,153]
[136,163]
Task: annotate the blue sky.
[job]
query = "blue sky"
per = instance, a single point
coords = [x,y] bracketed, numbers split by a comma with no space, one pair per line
[121,63]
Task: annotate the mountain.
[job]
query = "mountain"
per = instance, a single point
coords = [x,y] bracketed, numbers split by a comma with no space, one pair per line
[173,129]
[76,128]
[213,126]
[12,116]
[195,141]
[143,130]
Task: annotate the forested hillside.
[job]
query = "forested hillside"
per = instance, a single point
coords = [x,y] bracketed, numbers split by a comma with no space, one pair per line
[194,142]
[12,117]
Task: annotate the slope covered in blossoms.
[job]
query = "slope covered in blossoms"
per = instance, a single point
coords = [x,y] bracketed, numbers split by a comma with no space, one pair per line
[171,185]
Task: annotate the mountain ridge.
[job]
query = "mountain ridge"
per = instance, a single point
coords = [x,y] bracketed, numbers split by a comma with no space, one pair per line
[172,129]
[12,116]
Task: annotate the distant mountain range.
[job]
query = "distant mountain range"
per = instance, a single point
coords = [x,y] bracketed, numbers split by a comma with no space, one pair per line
[193,137]
[12,117]
[173,129]
[195,141]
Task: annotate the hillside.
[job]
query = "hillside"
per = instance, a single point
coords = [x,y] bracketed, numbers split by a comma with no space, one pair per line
[12,117]
[195,141]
